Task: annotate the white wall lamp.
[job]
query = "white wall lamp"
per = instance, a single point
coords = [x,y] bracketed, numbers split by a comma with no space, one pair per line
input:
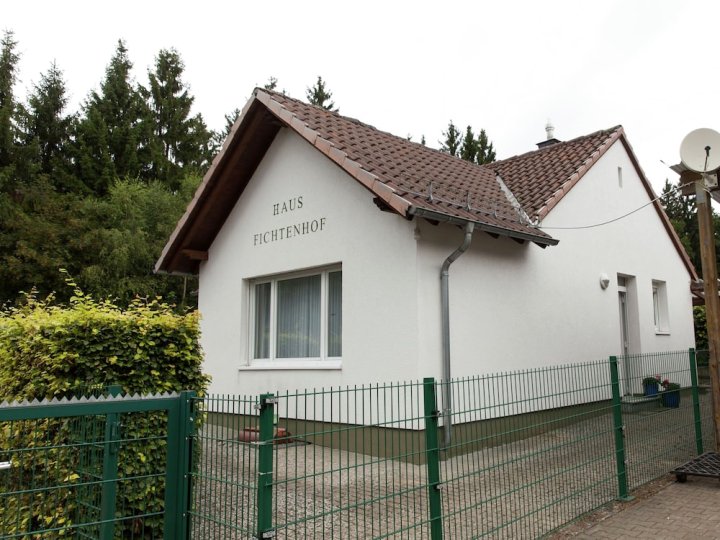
[604,281]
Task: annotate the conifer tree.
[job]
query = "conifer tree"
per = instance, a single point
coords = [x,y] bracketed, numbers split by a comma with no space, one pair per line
[271,84]
[115,136]
[184,141]
[469,147]
[8,75]
[48,128]
[485,151]
[453,140]
[220,136]
[320,96]
[475,149]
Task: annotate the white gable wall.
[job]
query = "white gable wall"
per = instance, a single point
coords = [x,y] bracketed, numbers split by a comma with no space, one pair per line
[637,245]
[376,250]
[518,306]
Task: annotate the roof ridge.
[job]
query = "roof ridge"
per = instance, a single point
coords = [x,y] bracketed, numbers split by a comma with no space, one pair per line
[609,132]
[364,124]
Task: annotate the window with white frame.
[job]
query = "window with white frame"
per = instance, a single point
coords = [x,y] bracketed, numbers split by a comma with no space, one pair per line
[297,316]
[660,307]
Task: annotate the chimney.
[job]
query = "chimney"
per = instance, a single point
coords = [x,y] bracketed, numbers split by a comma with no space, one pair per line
[550,130]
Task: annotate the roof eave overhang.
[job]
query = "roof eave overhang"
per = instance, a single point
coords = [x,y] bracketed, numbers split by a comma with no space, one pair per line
[542,241]
[221,186]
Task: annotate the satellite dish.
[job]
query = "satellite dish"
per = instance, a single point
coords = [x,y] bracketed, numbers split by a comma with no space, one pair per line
[700,150]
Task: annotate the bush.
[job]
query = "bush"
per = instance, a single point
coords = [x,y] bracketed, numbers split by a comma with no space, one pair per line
[51,351]
[701,337]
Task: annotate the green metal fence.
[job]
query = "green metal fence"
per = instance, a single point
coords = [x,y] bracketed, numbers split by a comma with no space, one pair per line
[81,468]
[507,455]
[527,452]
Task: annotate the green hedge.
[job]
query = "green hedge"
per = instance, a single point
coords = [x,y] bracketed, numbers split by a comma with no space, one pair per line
[53,351]
[49,351]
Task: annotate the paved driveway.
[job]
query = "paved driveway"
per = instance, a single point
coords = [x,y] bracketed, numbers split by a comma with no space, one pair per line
[678,511]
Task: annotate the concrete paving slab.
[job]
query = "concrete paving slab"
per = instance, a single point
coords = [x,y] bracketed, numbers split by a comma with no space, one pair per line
[679,511]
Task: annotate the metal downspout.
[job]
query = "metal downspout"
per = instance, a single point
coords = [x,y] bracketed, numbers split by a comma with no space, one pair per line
[445,306]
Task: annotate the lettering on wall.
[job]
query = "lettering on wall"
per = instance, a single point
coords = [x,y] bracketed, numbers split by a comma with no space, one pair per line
[296,203]
[301,228]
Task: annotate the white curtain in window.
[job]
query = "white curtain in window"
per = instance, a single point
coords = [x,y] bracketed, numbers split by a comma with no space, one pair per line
[298,318]
[335,314]
[262,320]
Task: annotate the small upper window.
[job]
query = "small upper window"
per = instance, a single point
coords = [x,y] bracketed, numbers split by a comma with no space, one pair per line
[660,307]
[297,316]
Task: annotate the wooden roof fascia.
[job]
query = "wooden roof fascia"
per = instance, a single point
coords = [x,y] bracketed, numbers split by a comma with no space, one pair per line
[556,197]
[200,192]
[196,254]
[660,211]
[216,185]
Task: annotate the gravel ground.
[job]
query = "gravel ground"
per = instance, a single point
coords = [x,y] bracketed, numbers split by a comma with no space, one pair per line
[523,489]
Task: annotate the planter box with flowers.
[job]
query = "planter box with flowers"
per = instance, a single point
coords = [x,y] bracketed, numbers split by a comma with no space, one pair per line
[670,395]
[651,385]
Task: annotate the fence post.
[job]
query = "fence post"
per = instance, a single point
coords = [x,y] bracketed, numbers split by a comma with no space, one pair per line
[111,445]
[696,402]
[265,466]
[432,455]
[619,431]
[187,427]
[179,425]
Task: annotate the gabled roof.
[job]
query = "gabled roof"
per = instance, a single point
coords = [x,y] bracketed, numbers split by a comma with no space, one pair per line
[505,198]
[540,179]
[404,177]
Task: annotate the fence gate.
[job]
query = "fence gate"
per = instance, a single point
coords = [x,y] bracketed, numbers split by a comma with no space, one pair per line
[101,467]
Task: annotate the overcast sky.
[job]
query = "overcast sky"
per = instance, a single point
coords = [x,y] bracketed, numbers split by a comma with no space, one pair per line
[409,67]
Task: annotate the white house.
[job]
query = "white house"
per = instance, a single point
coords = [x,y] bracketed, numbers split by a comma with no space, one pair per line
[320,243]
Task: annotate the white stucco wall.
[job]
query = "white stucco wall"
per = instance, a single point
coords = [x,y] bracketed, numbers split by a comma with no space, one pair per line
[377,252]
[512,306]
[519,306]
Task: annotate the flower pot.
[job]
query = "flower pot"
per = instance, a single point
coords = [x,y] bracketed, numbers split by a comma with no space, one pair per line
[650,389]
[670,399]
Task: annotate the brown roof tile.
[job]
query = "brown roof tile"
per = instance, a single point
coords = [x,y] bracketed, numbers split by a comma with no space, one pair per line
[419,178]
[411,179]
[539,179]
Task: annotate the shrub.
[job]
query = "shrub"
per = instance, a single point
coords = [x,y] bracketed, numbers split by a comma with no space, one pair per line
[51,351]
[701,337]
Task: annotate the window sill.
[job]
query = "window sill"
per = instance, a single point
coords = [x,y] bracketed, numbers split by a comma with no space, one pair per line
[662,332]
[270,365]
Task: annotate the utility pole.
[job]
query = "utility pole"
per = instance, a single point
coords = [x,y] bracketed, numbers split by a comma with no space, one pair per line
[700,154]
[712,303]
